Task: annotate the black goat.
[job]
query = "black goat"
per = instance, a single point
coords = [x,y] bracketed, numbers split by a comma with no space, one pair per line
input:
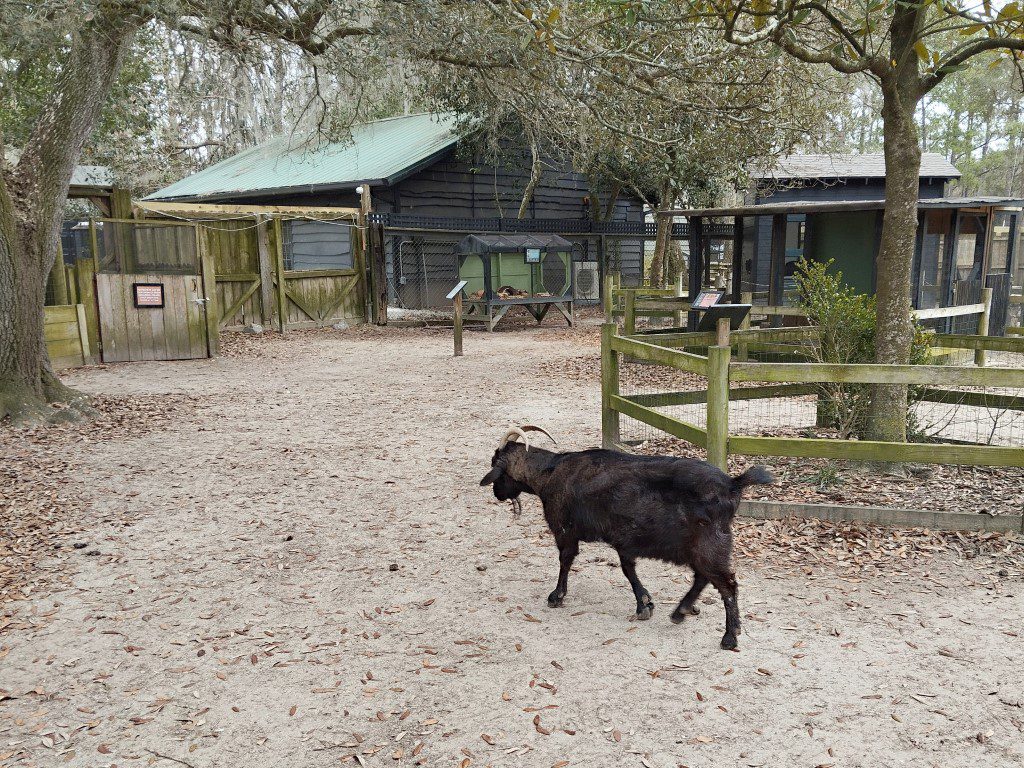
[671,509]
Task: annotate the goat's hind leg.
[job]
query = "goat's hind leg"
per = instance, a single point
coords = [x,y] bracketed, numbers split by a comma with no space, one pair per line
[644,603]
[567,552]
[725,583]
[687,606]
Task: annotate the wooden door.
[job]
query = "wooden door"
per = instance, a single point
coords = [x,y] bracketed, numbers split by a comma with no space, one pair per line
[133,328]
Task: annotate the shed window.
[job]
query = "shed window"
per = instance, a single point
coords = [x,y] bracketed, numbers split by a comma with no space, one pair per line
[317,245]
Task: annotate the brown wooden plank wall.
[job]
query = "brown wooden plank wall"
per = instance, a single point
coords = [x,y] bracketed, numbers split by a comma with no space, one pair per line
[63,336]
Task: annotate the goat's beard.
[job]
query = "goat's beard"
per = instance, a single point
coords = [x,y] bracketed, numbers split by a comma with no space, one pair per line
[517,506]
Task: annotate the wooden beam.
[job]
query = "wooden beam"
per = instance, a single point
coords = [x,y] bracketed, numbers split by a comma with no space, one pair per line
[672,426]
[211,209]
[652,353]
[83,333]
[457,301]
[282,298]
[85,271]
[938,312]
[696,266]
[237,304]
[609,387]
[266,269]
[718,401]
[737,258]
[870,450]
[210,304]
[871,373]
[990,343]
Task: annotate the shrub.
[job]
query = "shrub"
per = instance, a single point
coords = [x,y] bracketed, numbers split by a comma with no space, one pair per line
[846,321]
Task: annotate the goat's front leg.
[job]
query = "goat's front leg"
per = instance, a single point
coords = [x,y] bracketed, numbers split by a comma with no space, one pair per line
[567,552]
[687,606]
[725,583]
[644,603]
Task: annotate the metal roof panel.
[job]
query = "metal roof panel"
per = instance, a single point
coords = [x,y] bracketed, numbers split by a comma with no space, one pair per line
[837,166]
[379,151]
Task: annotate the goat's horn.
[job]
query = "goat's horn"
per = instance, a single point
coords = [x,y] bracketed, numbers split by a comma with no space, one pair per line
[532,428]
[514,432]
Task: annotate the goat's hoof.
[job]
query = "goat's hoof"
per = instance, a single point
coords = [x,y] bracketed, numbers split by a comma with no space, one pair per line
[679,614]
[645,610]
[729,643]
[555,600]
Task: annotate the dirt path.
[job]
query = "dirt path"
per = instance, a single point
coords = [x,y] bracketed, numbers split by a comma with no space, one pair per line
[301,568]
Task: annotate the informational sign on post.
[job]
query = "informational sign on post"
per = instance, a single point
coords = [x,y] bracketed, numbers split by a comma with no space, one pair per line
[148,294]
[533,255]
[456,297]
[707,299]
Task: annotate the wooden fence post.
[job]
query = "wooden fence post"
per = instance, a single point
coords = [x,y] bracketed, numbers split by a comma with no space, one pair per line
[375,253]
[83,334]
[59,279]
[629,317]
[458,324]
[211,306]
[677,318]
[266,269]
[606,298]
[85,270]
[718,398]
[72,280]
[746,297]
[282,297]
[986,299]
[609,387]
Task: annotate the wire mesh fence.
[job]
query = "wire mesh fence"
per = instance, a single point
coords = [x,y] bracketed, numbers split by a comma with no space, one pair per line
[678,394]
[950,414]
[141,247]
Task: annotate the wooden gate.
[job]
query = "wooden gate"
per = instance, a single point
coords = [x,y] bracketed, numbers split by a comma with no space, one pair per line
[151,292]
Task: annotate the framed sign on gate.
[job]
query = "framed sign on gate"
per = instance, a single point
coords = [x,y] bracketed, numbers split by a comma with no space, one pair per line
[148,295]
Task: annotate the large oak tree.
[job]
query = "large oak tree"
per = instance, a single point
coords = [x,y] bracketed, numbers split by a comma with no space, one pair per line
[83,46]
[907,48]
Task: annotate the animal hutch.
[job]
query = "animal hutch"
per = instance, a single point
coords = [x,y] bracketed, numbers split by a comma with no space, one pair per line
[504,271]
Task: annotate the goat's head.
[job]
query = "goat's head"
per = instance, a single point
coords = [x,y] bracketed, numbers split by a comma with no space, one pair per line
[510,473]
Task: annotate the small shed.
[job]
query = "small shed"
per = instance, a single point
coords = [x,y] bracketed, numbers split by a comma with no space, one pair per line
[505,270]
[963,244]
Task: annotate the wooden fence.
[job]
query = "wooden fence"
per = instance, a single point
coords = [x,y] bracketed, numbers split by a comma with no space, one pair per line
[241,262]
[246,245]
[783,380]
[67,336]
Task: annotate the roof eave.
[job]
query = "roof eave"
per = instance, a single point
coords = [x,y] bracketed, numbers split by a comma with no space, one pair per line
[303,189]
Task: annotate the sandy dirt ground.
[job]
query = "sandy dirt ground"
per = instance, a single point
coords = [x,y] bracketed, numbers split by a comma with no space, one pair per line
[296,567]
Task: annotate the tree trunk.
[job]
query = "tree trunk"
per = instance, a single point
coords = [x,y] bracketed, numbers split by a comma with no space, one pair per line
[662,238]
[888,415]
[32,200]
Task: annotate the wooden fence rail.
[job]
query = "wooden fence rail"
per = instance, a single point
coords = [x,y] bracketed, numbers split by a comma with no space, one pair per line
[793,379]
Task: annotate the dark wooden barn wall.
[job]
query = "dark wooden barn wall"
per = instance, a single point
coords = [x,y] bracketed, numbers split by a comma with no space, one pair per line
[454,187]
[820,192]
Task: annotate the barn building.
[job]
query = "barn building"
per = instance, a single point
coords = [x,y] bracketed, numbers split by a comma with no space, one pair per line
[830,207]
[429,192]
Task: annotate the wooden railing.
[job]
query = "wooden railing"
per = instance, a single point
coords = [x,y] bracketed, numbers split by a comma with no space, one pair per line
[781,380]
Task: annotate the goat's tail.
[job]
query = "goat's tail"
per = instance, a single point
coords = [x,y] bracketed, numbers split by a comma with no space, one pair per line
[756,475]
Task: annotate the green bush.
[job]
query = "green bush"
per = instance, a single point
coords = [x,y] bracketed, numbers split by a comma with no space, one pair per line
[847,327]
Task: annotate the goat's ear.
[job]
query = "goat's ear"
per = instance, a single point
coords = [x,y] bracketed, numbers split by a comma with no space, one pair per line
[493,475]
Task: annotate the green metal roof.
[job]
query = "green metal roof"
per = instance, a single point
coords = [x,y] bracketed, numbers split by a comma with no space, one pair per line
[381,152]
